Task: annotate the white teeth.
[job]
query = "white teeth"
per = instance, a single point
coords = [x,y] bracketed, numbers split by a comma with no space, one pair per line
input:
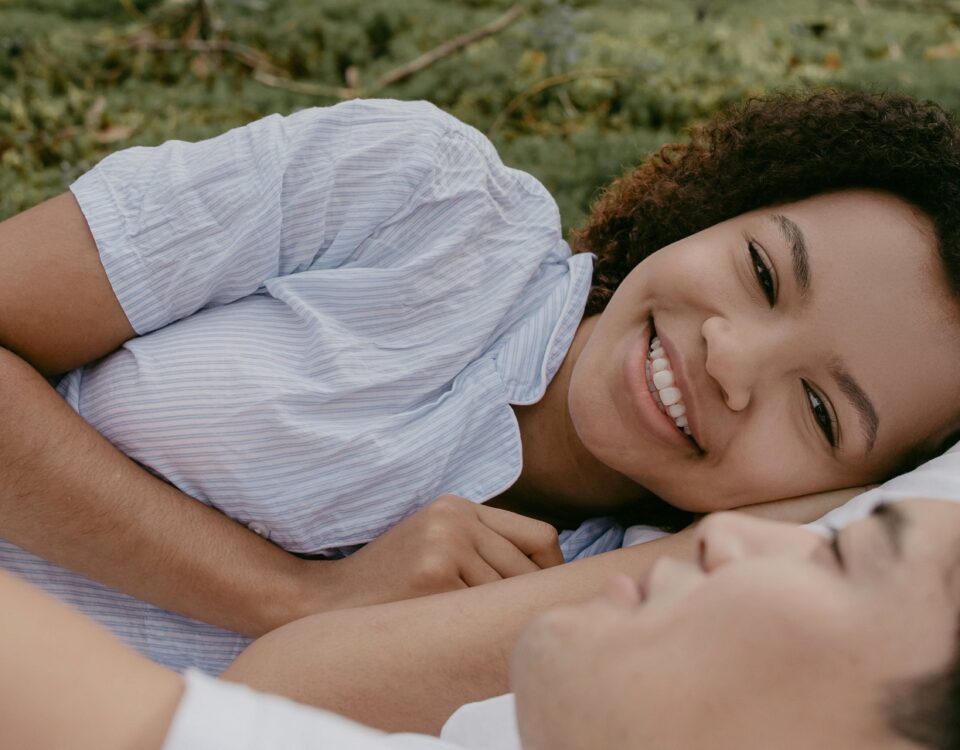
[670,396]
[658,365]
[660,376]
[663,378]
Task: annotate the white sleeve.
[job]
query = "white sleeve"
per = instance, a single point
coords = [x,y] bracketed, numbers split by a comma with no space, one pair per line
[218,715]
[183,226]
[484,725]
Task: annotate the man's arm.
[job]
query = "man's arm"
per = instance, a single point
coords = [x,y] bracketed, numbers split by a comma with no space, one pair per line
[67,683]
[408,665]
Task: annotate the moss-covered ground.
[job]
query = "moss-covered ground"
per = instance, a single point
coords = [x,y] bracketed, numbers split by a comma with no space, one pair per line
[574,92]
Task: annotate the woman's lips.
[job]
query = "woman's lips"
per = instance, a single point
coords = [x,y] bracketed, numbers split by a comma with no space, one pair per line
[682,382]
[642,400]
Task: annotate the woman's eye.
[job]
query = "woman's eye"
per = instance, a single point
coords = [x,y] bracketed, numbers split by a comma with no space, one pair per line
[821,414]
[763,273]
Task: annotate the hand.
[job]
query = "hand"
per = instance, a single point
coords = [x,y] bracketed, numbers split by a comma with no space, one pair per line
[450,544]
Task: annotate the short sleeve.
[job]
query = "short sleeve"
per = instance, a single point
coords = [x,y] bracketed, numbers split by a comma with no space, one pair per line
[218,715]
[184,226]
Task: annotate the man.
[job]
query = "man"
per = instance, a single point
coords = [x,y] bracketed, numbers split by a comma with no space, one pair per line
[775,637]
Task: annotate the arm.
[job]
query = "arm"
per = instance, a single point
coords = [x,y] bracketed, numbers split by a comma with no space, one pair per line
[171,230]
[407,666]
[66,683]
[806,508]
[68,495]
[62,319]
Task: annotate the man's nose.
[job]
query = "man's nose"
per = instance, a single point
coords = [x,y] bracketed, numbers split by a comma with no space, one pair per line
[724,538]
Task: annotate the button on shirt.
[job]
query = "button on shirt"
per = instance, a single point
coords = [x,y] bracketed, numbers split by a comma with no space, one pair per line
[336,310]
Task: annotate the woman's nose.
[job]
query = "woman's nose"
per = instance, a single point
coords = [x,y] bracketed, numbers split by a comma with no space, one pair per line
[724,538]
[731,363]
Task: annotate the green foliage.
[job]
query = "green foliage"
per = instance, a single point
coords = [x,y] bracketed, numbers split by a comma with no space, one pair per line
[573,91]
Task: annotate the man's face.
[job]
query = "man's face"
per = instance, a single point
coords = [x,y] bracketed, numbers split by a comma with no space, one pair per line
[775,638]
[808,346]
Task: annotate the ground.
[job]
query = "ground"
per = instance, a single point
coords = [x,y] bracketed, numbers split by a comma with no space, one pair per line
[574,92]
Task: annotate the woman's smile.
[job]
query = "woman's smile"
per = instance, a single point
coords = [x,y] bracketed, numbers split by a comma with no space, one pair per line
[642,370]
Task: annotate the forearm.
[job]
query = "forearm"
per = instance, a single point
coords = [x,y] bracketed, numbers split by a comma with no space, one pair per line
[65,683]
[407,666]
[68,495]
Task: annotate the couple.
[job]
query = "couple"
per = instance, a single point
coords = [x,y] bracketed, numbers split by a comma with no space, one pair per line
[347,313]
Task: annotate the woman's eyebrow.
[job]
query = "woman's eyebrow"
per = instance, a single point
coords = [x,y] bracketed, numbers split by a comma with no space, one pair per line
[848,385]
[893,521]
[859,400]
[793,236]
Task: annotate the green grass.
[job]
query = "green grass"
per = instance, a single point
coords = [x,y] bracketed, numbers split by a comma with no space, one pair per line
[573,92]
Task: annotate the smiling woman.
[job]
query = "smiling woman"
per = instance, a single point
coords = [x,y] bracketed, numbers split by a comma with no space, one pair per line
[765,362]
[353,330]
[769,268]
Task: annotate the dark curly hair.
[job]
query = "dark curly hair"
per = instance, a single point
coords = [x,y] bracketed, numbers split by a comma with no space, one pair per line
[776,150]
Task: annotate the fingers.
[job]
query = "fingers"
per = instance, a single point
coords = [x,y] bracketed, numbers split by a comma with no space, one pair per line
[475,571]
[501,554]
[535,539]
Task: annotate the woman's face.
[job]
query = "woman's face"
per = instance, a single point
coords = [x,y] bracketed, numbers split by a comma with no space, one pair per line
[808,346]
[776,637]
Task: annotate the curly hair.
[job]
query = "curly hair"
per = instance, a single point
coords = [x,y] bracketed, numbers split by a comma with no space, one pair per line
[774,150]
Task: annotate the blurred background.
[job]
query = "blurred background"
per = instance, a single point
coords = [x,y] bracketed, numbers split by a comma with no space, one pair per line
[573,91]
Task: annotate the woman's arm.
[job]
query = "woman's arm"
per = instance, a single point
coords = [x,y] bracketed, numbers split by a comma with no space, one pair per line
[68,495]
[57,308]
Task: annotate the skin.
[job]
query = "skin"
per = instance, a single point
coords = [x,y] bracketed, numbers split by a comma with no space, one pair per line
[700,650]
[742,364]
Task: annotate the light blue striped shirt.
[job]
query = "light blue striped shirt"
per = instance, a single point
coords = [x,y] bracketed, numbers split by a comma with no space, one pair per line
[336,310]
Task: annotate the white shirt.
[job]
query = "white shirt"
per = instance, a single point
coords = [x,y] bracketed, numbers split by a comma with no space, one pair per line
[216,715]
[336,311]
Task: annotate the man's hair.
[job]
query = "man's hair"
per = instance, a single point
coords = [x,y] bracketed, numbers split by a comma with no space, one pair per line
[776,150]
[927,711]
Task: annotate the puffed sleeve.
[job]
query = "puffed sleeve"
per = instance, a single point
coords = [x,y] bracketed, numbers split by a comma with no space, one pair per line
[184,226]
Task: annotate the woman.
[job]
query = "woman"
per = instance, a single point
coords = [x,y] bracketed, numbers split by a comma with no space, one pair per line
[387,314]
[671,663]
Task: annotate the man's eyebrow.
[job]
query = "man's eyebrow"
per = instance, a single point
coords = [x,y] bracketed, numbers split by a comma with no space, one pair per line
[893,521]
[869,421]
[793,236]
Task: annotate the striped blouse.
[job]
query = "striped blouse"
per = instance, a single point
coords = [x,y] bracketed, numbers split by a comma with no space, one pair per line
[335,311]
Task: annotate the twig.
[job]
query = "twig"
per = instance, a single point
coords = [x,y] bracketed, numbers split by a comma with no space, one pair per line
[546,83]
[447,48]
[249,56]
[303,87]
[265,72]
